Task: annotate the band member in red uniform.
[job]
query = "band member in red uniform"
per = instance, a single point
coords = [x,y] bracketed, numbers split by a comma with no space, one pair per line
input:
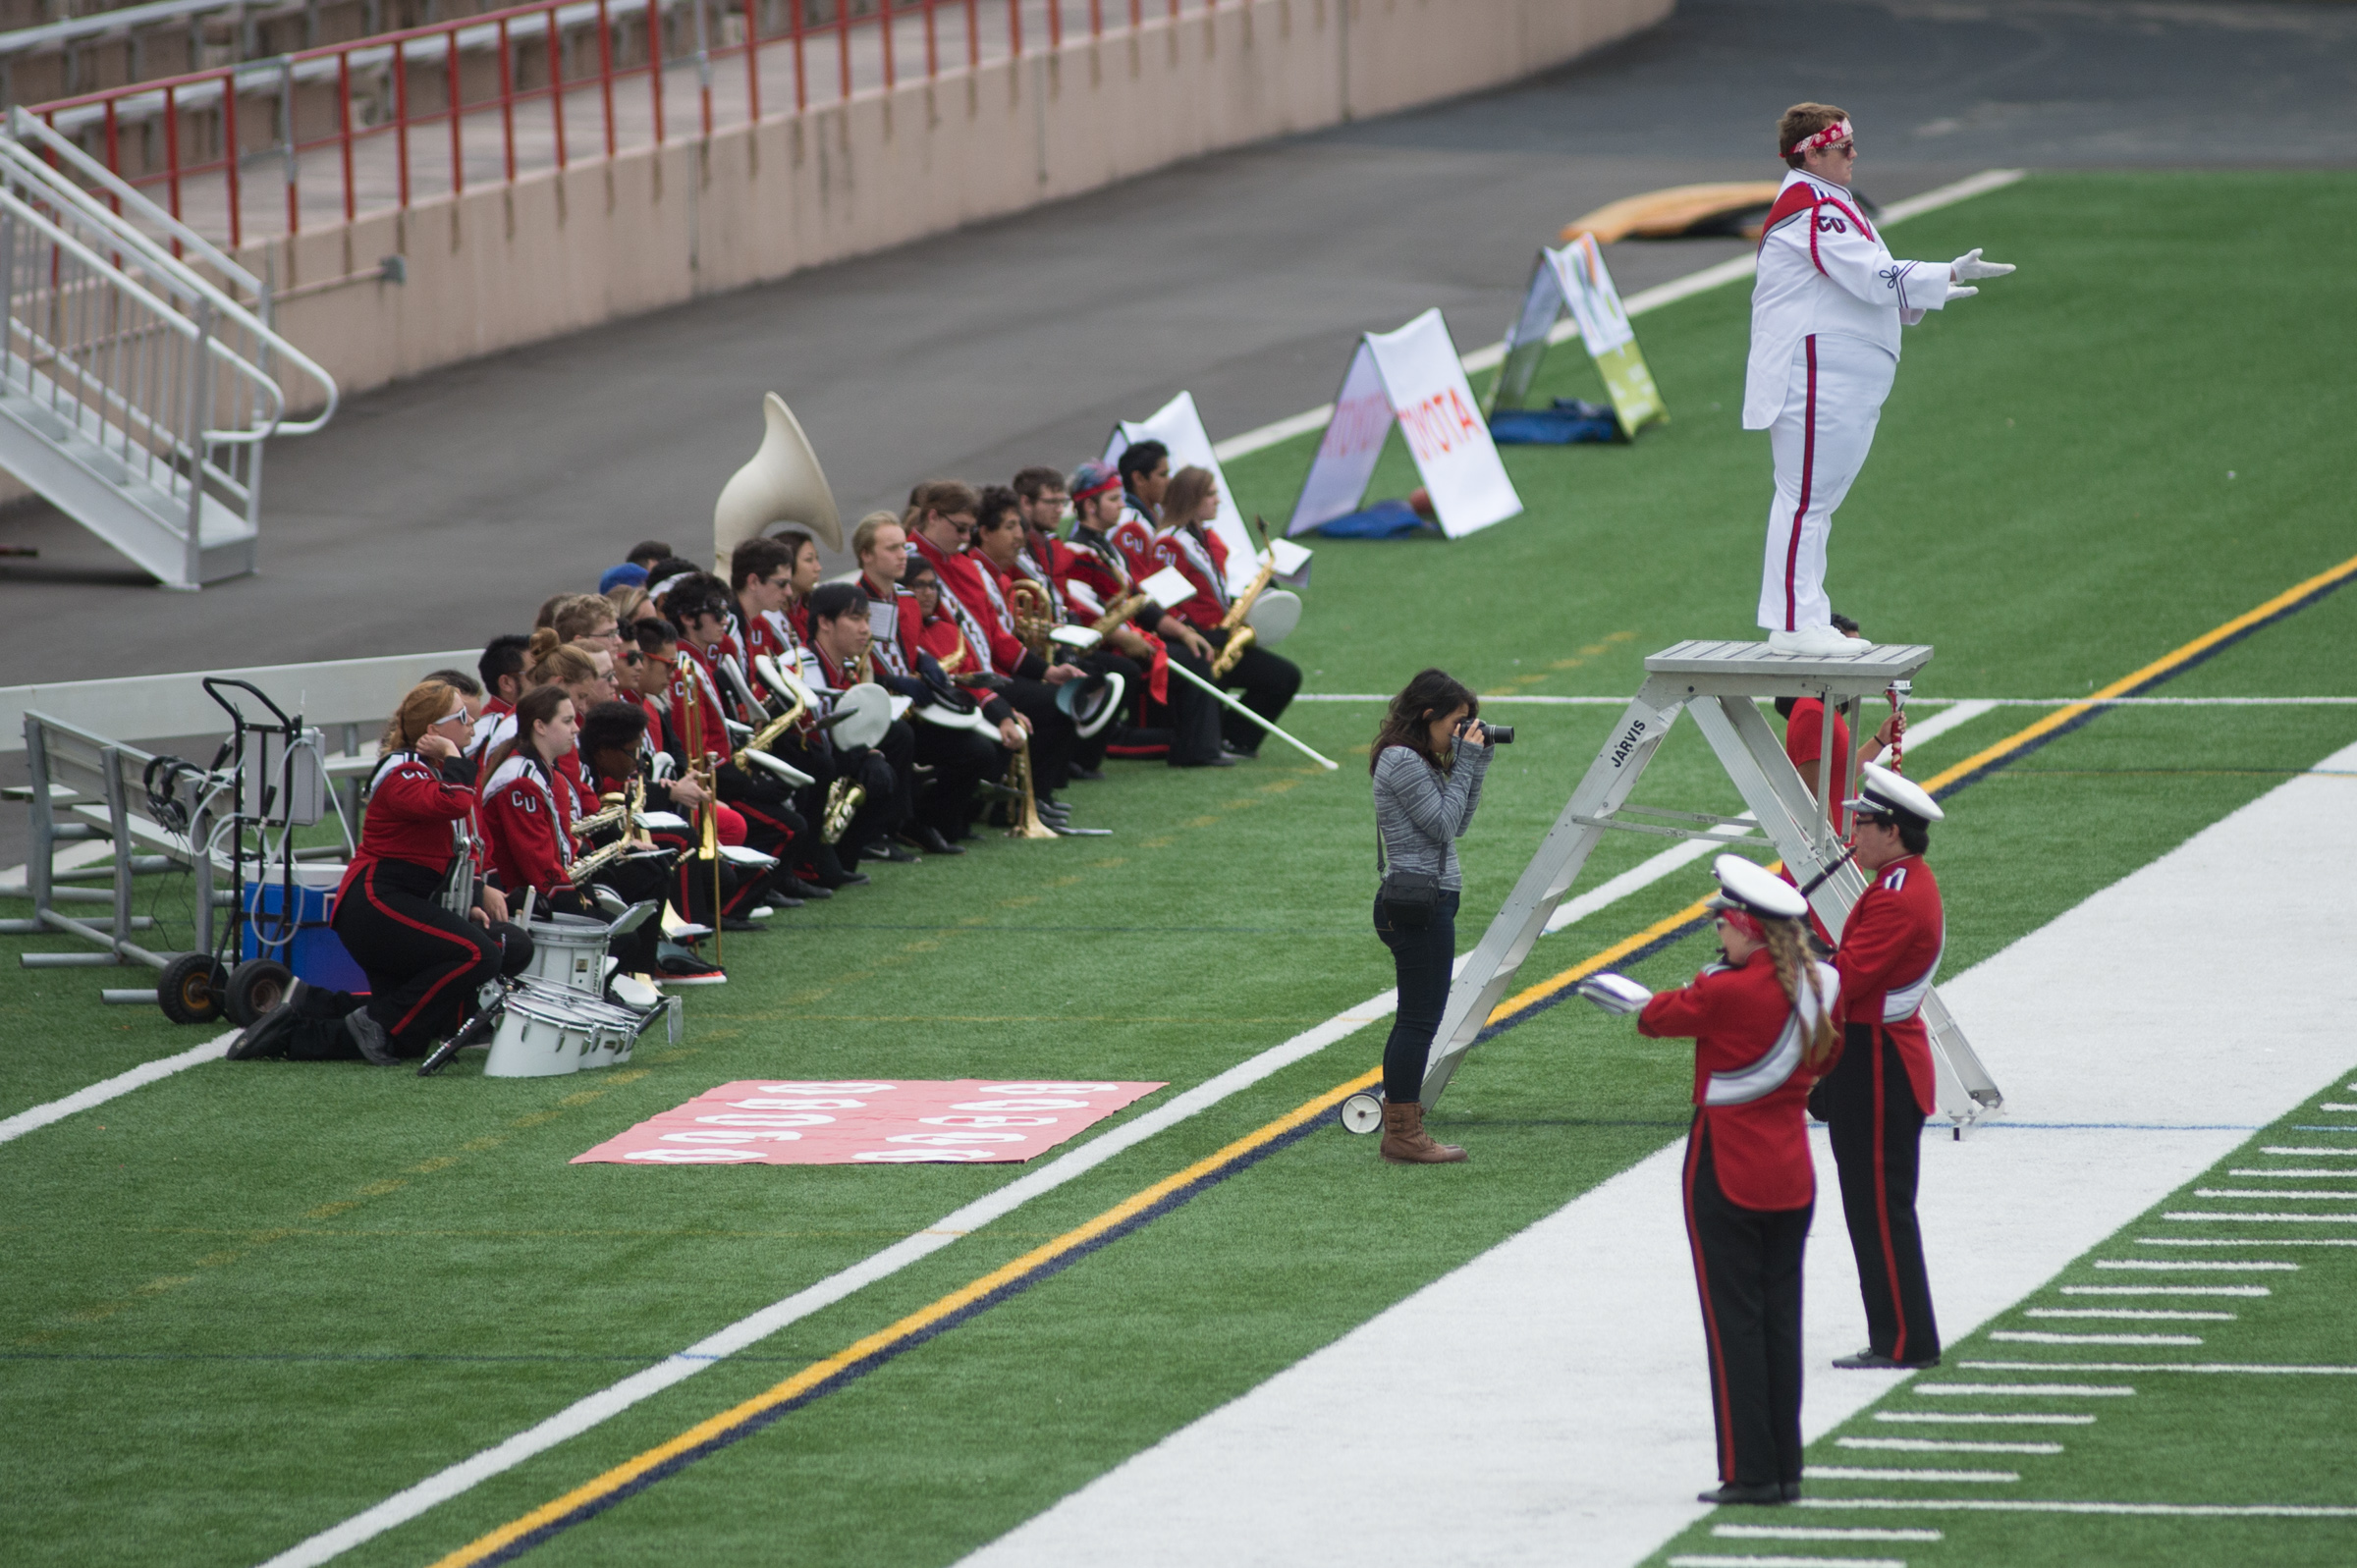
[1145,471]
[839,638]
[1804,738]
[1000,546]
[1762,1022]
[761,576]
[1268,680]
[954,756]
[1878,1094]
[529,805]
[424,964]
[940,522]
[1097,576]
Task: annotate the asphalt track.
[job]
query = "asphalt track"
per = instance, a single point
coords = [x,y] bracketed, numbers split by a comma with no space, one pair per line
[437,511]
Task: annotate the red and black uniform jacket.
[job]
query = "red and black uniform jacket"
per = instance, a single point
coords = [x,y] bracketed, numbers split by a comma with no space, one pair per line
[412,811]
[896,654]
[1890,952]
[1094,573]
[529,811]
[695,711]
[970,594]
[1202,558]
[1751,1092]
[1132,534]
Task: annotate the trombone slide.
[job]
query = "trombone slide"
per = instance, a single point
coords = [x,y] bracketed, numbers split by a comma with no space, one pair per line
[1326,763]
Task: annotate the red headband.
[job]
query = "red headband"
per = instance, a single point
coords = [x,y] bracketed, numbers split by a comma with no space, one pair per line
[1744,921]
[1839,131]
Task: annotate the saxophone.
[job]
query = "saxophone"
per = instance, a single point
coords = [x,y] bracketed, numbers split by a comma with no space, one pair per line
[1127,605]
[1240,636]
[777,726]
[620,808]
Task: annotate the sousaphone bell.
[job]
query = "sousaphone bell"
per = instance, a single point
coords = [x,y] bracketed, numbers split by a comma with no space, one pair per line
[782,484]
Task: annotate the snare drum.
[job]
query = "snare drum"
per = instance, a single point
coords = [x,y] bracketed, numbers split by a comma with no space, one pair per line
[570,952]
[542,1033]
[611,1031]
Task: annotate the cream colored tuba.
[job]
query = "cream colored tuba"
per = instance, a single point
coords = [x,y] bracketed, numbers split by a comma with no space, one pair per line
[782,484]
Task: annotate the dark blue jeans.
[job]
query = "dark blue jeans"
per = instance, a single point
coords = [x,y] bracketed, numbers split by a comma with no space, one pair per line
[1422,961]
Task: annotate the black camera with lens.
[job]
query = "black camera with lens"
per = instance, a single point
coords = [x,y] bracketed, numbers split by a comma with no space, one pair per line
[1499,735]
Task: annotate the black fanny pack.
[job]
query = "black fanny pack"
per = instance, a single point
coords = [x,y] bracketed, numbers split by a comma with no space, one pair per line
[1408,896]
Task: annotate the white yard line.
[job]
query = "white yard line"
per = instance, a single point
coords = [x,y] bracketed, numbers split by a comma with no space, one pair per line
[1819,1533]
[2256,1369]
[1867,1473]
[1949,1418]
[1636,304]
[1565,1401]
[1715,1560]
[122,1083]
[1956,1445]
[1980,704]
[595,1409]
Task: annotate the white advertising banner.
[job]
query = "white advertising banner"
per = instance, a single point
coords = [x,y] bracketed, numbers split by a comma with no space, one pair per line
[1414,378]
[1575,279]
[1178,427]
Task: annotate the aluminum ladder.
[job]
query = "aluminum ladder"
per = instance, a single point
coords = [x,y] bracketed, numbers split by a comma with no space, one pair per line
[136,384]
[1720,683]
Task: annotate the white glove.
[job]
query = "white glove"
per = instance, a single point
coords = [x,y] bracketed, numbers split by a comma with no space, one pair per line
[1615,994]
[1969,267]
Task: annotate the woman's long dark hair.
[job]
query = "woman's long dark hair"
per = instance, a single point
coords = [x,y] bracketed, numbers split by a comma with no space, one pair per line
[1408,723]
[536,706]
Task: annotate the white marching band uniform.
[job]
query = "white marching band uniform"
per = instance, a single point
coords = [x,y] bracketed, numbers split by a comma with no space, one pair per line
[1825,311]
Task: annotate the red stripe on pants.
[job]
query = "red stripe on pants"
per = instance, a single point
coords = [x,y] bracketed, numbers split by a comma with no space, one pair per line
[1709,1313]
[1882,1204]
[1808,467]
[475,954]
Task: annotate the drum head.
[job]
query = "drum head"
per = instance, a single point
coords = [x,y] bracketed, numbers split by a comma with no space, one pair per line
[1274,616]
[867,713]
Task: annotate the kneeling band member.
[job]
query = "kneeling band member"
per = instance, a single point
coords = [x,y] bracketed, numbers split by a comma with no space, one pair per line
[1762,1023]
[425,962]
[1878,1094]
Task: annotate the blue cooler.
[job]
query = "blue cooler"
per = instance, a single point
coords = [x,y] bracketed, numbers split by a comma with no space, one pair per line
[314,953]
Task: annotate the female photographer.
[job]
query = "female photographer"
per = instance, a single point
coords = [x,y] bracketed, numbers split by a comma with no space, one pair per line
[1429,758]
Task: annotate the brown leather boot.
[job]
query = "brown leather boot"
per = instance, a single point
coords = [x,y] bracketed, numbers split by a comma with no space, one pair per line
[1407,1143]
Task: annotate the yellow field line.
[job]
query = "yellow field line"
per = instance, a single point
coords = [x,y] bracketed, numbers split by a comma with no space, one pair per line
[818,1372]
[1979,759]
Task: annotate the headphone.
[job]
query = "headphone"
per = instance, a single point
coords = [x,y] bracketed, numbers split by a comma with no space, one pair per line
[164,805]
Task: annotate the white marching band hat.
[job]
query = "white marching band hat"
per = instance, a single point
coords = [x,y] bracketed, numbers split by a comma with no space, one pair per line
[1744,886]
[1881,792]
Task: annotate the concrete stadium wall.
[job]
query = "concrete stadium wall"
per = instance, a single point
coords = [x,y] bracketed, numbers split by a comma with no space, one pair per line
[554,253]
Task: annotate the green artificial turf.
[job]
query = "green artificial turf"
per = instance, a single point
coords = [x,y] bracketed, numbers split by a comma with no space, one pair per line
[2181,1439]
[252,1300]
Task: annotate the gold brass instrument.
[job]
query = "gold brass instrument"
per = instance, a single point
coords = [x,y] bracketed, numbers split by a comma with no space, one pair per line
[1018,780]
[1240,634]
[782,483]
[777,726]
[1127,605]
[844,800]
[620,808]
[1034,616]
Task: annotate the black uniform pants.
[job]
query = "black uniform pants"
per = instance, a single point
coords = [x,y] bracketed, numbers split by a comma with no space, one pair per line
[1194,717]
[886,771]
[1052,733]
[1747,1272]
[1421,957]
[423,964]
[1089,750]
[1877,1133]
[960,759]
[1268,682]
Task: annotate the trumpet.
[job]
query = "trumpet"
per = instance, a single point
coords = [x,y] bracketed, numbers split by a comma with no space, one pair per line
[1018,784]
[1034,615]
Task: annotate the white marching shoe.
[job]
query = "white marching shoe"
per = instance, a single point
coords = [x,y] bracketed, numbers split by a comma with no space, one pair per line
[1816,643]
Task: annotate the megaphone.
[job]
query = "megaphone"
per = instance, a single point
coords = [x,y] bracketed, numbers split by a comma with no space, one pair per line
[1091,703]
[782,483]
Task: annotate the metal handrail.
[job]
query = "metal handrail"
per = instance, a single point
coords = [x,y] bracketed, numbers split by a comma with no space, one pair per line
[174,270]
[26,40]
[29,127]
[167,316]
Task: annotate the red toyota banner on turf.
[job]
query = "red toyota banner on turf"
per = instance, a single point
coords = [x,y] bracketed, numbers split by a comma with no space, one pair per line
[869,1121]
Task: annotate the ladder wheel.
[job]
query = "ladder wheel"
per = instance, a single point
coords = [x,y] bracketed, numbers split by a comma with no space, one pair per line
[192,987]
[1362,1113]
[255,988]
